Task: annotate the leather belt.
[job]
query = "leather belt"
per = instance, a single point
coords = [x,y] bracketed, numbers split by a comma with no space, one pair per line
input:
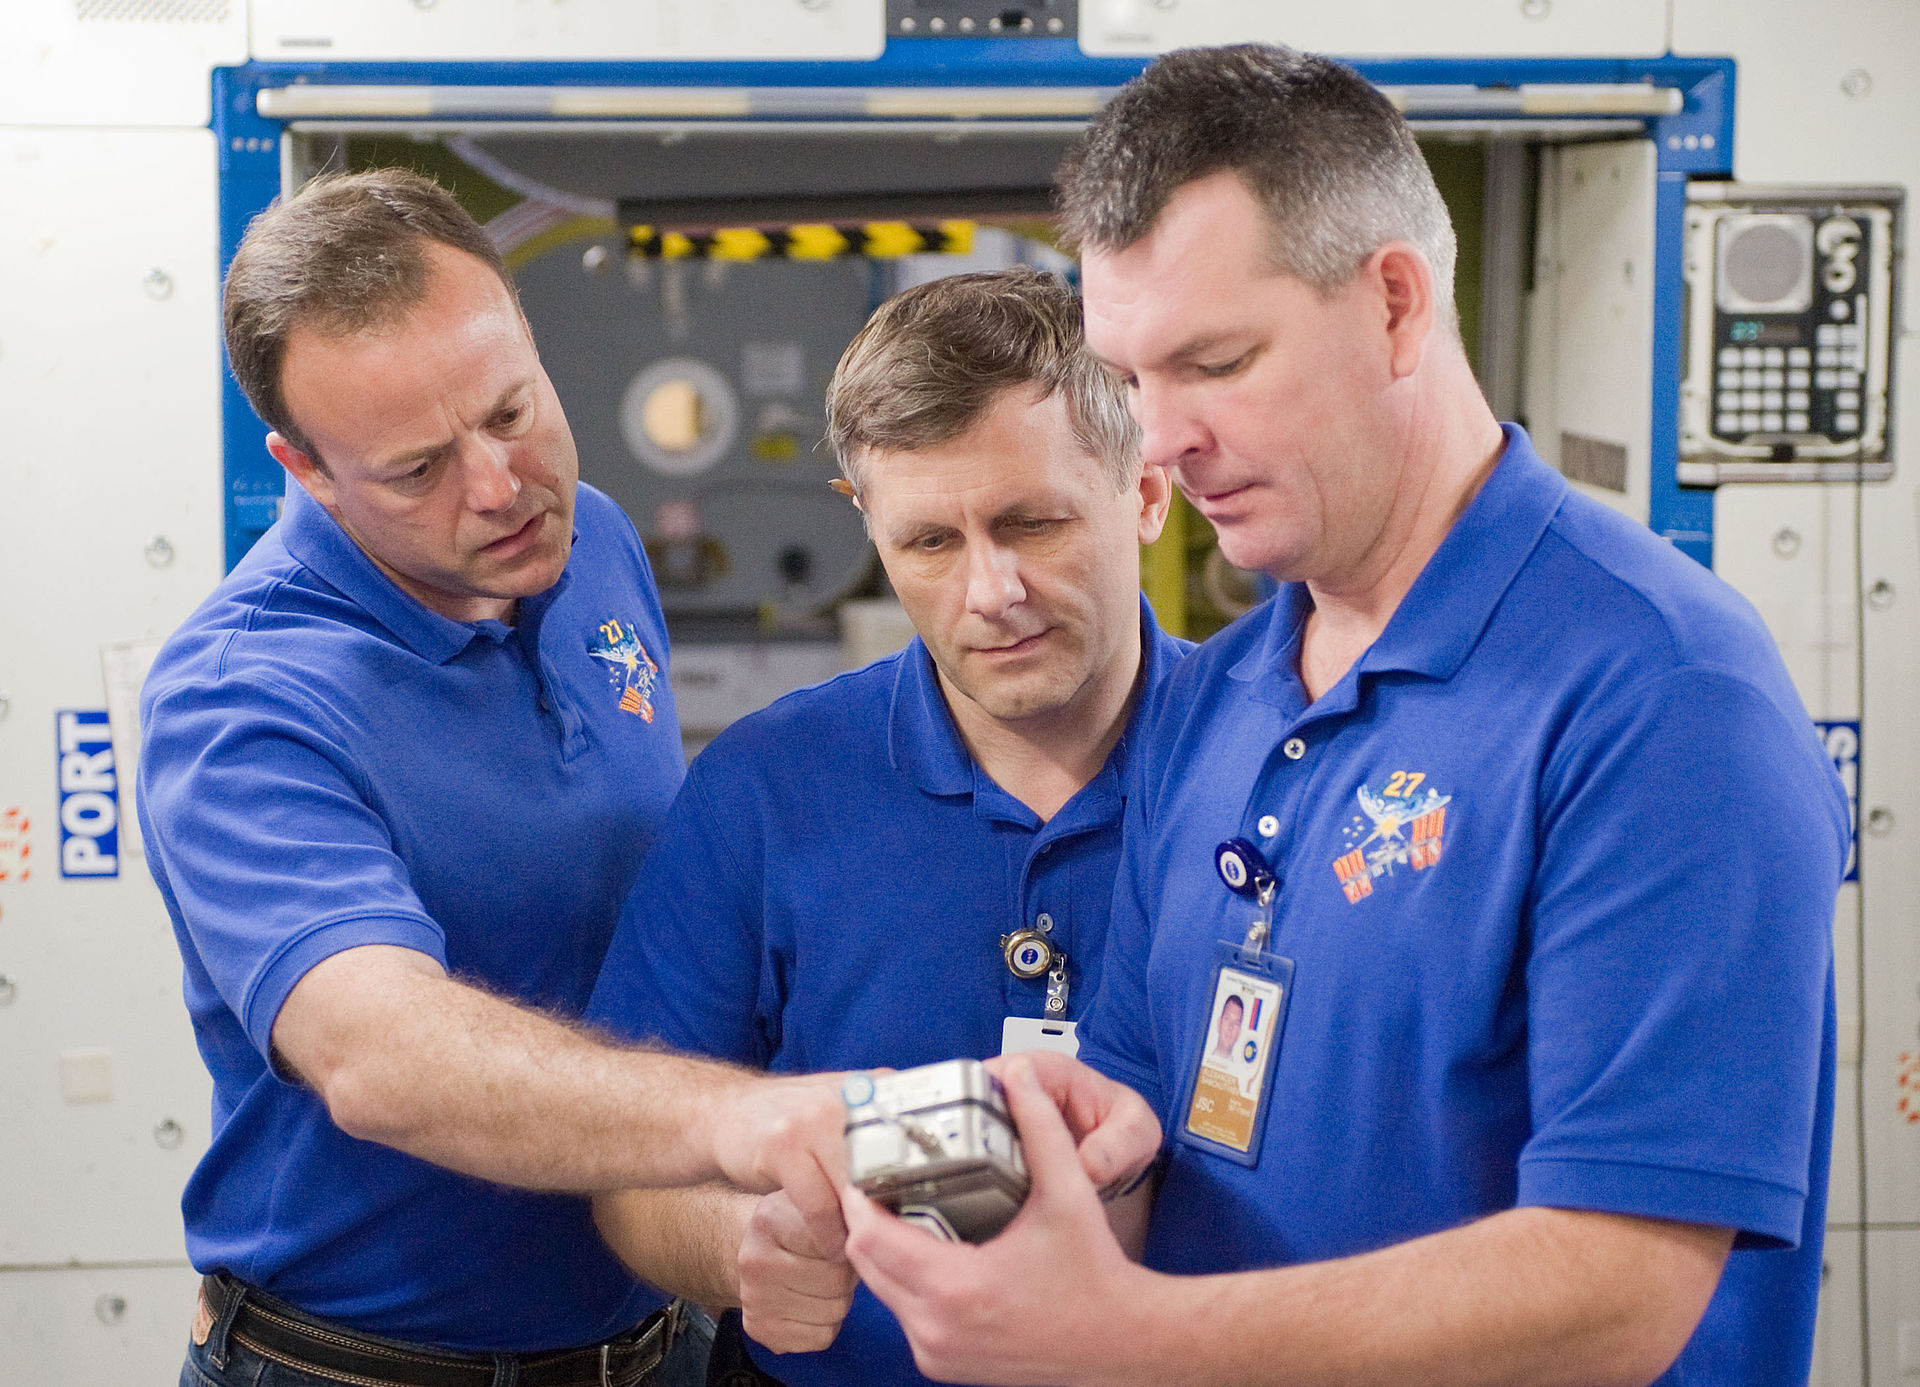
[278,1332]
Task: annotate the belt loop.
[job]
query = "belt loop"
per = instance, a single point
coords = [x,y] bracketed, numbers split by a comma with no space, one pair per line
[234,1292]
[506,1369]
[605,1354]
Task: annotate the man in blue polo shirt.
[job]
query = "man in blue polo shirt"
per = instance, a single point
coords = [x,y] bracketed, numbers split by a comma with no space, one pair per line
[915,861]
[1503,823]
[399,773]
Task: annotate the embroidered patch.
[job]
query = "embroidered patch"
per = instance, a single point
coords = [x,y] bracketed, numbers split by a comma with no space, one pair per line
[1408,829]
[629,668]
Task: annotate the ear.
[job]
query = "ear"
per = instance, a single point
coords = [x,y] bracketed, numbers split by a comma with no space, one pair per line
[301,468]
[1404,281]
[1156,495]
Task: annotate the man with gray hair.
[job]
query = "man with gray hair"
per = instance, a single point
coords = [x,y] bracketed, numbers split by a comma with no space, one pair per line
[399,772]
[914,861]
[1503,821]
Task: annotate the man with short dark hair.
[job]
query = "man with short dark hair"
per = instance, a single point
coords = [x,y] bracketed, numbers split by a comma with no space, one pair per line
[1504,818]
[399,773]
[914,861]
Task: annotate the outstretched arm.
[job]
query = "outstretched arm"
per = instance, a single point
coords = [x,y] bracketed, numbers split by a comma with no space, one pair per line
[1529,1296]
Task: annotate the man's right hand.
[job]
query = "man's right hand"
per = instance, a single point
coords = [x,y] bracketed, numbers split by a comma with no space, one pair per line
[787,1134]
[794,1288]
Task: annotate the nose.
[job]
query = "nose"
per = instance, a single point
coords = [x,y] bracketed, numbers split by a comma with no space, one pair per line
[491,482]
[993,580]
[1169,432]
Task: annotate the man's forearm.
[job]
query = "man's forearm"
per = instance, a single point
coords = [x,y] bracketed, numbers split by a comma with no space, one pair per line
[405,1056]
[684,1241]
[1533,1296]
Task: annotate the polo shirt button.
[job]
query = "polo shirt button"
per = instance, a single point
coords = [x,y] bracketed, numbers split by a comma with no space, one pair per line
[1044,923]
[1294,748]
[1268,825]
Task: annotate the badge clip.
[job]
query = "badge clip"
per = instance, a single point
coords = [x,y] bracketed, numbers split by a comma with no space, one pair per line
[1246,872]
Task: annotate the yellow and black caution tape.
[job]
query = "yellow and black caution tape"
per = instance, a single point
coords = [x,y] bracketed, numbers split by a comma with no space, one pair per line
[805,241]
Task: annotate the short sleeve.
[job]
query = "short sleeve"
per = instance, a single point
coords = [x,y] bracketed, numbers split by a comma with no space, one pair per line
[268,843]
[684,966]
[1117,1036]
[1693,839]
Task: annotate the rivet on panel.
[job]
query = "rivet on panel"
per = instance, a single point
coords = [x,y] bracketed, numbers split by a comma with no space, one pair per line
[1880,595]
[1880,821]
[1536,9]
[7,990]
[1786,541]
[158,284]
[110,1309]
[159,551]
[168,1135]
[1857,84]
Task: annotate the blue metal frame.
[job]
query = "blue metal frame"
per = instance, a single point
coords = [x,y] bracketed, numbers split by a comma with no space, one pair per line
[1696,142]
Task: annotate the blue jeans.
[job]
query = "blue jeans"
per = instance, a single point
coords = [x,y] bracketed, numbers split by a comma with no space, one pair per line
[222,1362]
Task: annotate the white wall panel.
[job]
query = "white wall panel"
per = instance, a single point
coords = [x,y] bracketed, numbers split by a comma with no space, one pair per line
[109,381]
[115,62]
[532,30]
[1382,28]
[78,1328]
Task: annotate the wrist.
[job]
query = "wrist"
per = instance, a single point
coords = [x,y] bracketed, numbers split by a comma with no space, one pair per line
[1136,1331]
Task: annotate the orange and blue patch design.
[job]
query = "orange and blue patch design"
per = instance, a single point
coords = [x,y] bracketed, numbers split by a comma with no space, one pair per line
[1404,826]
[629,667]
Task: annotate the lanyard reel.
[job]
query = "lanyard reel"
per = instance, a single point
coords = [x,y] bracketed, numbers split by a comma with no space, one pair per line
[1245,870]
[1031,954]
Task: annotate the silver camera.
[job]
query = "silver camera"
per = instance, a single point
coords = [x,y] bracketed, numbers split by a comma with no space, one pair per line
[935,1145]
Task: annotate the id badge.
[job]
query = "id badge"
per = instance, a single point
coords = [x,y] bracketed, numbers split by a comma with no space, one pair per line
[1225,1100]
[1019,1033]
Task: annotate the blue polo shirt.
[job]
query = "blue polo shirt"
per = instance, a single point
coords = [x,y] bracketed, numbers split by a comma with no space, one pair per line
[829,892]
[1557,864]
[329,764]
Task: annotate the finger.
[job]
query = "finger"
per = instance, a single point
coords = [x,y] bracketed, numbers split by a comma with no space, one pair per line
[814,1194]
[792,1334]
[1053,1159]
[785,1228]
[1125,1143]
[887,1252]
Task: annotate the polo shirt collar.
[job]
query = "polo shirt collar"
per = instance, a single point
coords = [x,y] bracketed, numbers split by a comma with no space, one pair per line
[925,743]
[315,538]
[1440,619]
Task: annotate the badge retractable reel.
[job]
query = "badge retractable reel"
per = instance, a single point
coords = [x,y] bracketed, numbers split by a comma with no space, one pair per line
[1226,1094]
[1031,954]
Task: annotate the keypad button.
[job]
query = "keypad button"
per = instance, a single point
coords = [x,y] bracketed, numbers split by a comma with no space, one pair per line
[1824,379]
[1728,400]
[1729,356]
[1770,400]
[1828,356]
[1826,335]
[1846,399]
[1797,380]
[1797,423]
[1753,380]
[1846,423]
[1773,380]
[1799,356]
[1847,380]
[1796,399]
[1749,422]
[1770,422]
[1773,356]
[1727,424]
[1849,333]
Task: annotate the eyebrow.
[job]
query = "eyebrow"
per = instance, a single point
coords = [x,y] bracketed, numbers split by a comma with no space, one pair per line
[1187,351]
[402,461]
